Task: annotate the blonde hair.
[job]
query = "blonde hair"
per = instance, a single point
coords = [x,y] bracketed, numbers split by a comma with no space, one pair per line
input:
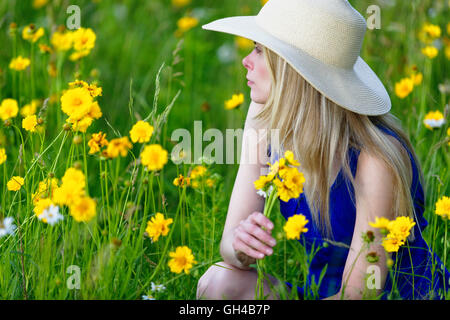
[316,129]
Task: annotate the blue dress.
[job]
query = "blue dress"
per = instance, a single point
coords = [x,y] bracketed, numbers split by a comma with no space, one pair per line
[429,272]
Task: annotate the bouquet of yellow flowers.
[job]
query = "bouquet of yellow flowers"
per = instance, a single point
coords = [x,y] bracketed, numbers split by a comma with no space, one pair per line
[284,181]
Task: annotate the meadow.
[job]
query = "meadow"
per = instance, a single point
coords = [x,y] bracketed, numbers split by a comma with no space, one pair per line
[93,202]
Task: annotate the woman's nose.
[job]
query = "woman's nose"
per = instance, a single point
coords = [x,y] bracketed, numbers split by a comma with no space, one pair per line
[247,62]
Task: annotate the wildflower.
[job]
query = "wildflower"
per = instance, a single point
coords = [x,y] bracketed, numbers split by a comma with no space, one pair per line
[392,244]
[43,48]
[181,181]
[443,207]
[289,156]
[180,3]
[31,34]
[404,87]
[74,176]
[264,193]
[29,109]
[235,101]
[389,263]
[185,24]
[147,297]
[429,32]
[380,223]
[154,157]
[118,146]
[30,123]
[37,4]
[157,287]
[158,226]
[430,51]
[295,226]
[448,135]
[51,215]
[209,182]
[46,188]
[293,179]
[83,209]
[8,109]
[62,40]
[400,227]
[434,119]
[76,103]
[67,193]
[97,141]
[417,78]
[198,171]
[83,39]
[20,63]
[141,132]
[243,43]
[368,237]
[7,226]
[372,257]
[182,259]
[15,183]
[2,155]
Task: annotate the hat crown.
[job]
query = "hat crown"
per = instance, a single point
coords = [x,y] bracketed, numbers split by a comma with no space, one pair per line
[331,31]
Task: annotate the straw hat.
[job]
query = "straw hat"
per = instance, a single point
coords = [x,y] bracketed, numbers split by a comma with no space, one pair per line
[321,40]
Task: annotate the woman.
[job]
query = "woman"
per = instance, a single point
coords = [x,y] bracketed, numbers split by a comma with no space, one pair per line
[308,81]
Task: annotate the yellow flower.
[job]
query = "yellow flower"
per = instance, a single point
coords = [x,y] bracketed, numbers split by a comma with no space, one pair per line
[29,109]
[400,228]
[46,188]
[448,135]
[154,157]
[294,179]
[158,226]
[30,123]
[8,109]
[417,78]
[40,205]
[67,193]
[235,101]
[210,182]
[197,171]
[289,156]
[43,48]
[262,181]
[19,63]
[15,183]
[3,156]
[392,244]
[430,51]
[443,207]
[181,181]
[295,226]
[74,176]
[97,141]
[83,209]
[284,192]
[380,223]
[243,43]
[182,259]
[404,87]
[186,23]
[118,146]
[83,39]
[62,40]
[76,103]
[82,124]
[30,33]
[447,52]
[37,4]
[434,119]
[141,132]
[429,33]
[180,3]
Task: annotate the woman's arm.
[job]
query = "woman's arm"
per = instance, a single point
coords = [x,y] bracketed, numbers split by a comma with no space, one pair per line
[244,201]
[374,198]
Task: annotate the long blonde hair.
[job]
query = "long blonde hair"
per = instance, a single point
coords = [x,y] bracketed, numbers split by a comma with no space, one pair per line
[317,129]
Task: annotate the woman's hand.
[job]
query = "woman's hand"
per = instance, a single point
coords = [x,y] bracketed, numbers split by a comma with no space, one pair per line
[251,241]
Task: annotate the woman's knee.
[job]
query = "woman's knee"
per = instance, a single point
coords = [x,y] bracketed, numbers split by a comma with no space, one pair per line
[220,281]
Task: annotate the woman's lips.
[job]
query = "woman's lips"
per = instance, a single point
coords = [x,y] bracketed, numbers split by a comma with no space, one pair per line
[249,82]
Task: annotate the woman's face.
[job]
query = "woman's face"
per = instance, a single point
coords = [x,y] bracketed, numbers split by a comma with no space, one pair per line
[258,76]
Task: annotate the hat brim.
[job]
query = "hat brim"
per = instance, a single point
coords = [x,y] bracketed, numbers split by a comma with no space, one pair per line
[358,89]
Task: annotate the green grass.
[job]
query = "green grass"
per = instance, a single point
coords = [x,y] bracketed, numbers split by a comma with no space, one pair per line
[134,39]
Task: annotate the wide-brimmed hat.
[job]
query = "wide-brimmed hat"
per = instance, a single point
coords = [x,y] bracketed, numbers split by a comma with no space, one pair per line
[321,40]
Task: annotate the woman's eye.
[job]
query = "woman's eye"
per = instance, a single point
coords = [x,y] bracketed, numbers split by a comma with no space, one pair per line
[258,50]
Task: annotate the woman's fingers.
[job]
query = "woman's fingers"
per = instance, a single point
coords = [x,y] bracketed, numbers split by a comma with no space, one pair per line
[244,233]
[239,245]
[261,220]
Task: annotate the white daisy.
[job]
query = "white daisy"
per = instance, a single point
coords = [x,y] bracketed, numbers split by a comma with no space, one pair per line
[7,226]
[435,123]
[51,215]
[158,287]
[144,297]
